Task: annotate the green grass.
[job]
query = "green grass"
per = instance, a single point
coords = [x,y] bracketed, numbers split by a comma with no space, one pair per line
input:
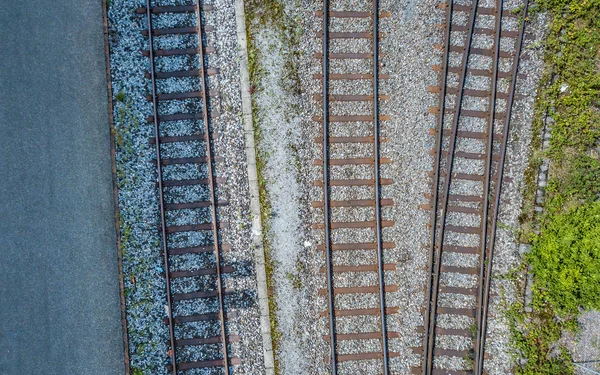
[565,255]
[565,260]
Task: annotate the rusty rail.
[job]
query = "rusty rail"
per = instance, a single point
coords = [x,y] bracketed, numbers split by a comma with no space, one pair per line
[327,205]
[481,334]
[440,199]
[213,226]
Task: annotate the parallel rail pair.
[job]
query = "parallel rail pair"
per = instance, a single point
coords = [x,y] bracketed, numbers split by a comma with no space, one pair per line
[204,159]
[375,203]
[444,201]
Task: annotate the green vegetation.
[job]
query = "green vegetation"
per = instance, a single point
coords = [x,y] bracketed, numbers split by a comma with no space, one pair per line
[263,14]
[565,255]
[120,96]
[138,289]
[535,336]
[260,14]
[265,214]
[565,260]
[125,126]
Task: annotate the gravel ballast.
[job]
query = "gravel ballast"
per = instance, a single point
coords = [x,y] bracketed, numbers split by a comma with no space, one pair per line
[297,279]
[284,88]
[284,109]
[138,196]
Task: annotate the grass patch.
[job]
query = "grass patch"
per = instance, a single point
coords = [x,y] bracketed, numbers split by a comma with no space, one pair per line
[565,255]
[535,335]
[565,260]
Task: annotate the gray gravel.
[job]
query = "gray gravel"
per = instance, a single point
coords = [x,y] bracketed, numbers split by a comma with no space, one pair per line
[410,34]
[302,349]
[138,199]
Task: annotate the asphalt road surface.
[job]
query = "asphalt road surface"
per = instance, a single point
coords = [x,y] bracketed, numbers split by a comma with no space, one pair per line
[59,296]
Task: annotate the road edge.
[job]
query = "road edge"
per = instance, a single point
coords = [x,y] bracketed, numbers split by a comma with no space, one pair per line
[259,252]
[113,161]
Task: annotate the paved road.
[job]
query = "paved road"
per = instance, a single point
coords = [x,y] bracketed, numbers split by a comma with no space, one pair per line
[59,297]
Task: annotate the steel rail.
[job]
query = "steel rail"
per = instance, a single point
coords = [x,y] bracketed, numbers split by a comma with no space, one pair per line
[326,209]
[428,350]
[487,174]
[492,240]
[436,178]
[384,339]
[213,199]
[163,222]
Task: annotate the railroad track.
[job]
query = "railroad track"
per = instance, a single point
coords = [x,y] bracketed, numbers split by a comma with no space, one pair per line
[352,203]
[189,224]
[478,73]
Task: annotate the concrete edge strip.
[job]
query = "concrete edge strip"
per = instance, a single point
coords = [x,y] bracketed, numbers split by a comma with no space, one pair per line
[261,274]
[115,188]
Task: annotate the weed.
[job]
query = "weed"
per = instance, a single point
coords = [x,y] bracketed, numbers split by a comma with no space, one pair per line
[565,256]
[565,259]
[294,279]
[473,330]
[120,96]
[469,361]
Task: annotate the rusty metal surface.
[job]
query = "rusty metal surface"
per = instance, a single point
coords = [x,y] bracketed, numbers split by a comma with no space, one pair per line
[325,98]
[214,225]
[442,201]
